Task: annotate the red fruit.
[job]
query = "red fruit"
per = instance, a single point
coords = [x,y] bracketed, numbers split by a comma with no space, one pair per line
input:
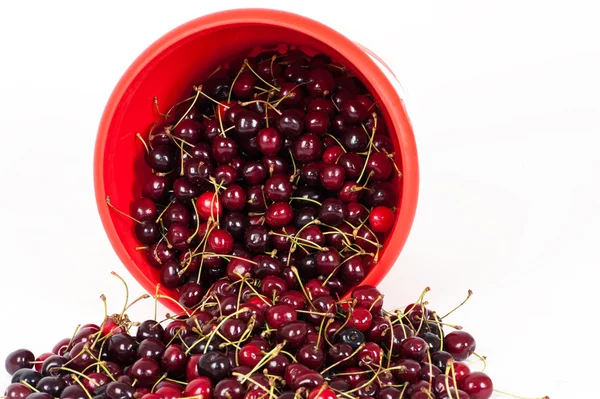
[200,387]
[322,392]
[250,355]
[360,319]
[381,219]
[279,314]
[460,344]
[461,370]
[111,326]
[368,297]
[40,359]
[151,396]
[169,393]
[220,241]
[477,385]
[191,369]
[209,206]
[61,346]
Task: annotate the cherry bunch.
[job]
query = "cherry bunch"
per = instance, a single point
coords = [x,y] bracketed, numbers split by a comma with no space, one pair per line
[276,160]
[251,339]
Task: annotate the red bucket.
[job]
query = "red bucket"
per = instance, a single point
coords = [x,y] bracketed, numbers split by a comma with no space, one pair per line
[192,51]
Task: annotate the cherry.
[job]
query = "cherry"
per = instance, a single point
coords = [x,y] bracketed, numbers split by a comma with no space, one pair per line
[279,214]
[257,239]
[250,355]
[275,164]
[361,319]
[294,333]
[235,223]
[322,393]
[169,274]
[307,148]
[18,359]
[351,336]
[228,389]
[277,365]
[290,94]
[389,393]
[220,241]
[269,141]
[460,344]
[173,360]
[355,139]
[354,111]
[51,366]
[122,349]
[143,209]
[209,206]
[73,392]
[332,177]
[316,122]
[119,390]
[381,219]
[308,380]
[461,370]
[51,385]
[295,299]
[393,338]
[308,196]
[313,234]
[304,216]
[224,149]
[16,391]
[407,370]
[162,158]
[327,261]
[146,371]
[353,270]
[349,192]
[381,195]
[152,348]
[147,232]
[239,268]
[290,123]
[320,82]
[352,164]
[332,154]
[311,356]
[247,124]
[191,368]
[214,365]
[273,285]
[279,314]
[167,393]
[190,295]
[149,329]
[254,172]
[200,387]
[40,360]
[333,211]
[310,174]
[82,356]
[177,213]
[414,348]
[432,340]
[477,385]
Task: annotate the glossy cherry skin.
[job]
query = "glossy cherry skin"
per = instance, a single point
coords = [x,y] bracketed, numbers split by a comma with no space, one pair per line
[280,314]
[149,329]
[162,158]
[122,349]
[460,344]
[209,206]
[307,148]
[332,177]
[381,219]
[278,188]
[169,274]
[16,391]
[214,365]
[477,385]
[290,123]
[320,82]
[146,371]
[173,360]
[190,295]
[257,239]
[368,297]
[293,332]
[51,385]
[18,359]
[279,214]
[332,211]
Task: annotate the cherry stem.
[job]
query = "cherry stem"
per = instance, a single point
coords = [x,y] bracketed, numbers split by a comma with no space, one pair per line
[391,157]
[28,385]
[370,147]
[162,377]
[483,359]
[306,293]
[74,377]
[306,199]
[233,83]
[264,102]
[139,136]
[344,359]
[197,225]
[155,101]
[189,109]
[163,212]
[119,211]
[126,293]
[266,358]
[337,141]
[159,296]
[462,303]
[259,77]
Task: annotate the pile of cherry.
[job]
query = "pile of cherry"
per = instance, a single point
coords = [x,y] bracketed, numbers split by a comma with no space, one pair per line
[274,161]
[261,342]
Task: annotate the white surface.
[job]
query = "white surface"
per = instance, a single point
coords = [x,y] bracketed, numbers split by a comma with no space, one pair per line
[507,115]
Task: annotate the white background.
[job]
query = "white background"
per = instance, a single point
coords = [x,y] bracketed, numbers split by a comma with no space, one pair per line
[505,97]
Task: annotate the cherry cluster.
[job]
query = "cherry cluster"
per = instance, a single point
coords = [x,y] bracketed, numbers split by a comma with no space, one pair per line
[276,160]
[249,340]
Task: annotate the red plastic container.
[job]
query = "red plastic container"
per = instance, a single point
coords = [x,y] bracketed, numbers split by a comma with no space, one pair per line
[184,56]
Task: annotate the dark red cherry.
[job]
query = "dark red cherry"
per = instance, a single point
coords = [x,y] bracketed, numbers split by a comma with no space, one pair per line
[290,94]
[18,359]
[234,198]
[178,236]
[282,239]
[313,234]
[290,123]
[321,104]
[255,199]
[214,365]
[332,154]
[224,149]
[162,158]
[243,87]
[156,188]
[173,360]
[308,148]
[311,356]
[352,164]
[188,130]
[320,83]
[144,209]
[380,166]
[293,332]
[122,349]
[183,189]
[247,124]
[460,344]
[279,214]
[269,141]
[176,213]
[316,122]
[257,239]
[332,177]
[327,261]
[368,297]
[254,172]
[350,192]
[275,165]
[278,188]
[354,111]
[355,139]
[169,274]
